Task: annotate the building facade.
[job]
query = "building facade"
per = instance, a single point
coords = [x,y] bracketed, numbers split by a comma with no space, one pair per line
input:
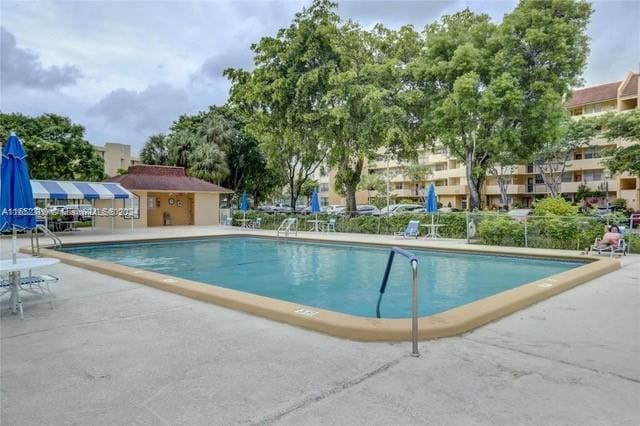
[117,157]
[525,184]
[166,196]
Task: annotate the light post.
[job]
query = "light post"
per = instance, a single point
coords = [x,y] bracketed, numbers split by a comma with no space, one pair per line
[387,158]
[607,175]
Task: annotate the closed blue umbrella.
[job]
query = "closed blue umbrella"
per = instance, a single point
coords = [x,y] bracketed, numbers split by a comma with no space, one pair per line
[244,206]
[315,207]
[315,202]
[431,206]
[431,203]
[244,202]
[16,198]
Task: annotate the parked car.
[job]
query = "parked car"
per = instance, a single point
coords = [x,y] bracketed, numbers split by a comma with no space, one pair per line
[399,208]
[367,210]
[334,209]
[448,209]
[520,214]
[276,208]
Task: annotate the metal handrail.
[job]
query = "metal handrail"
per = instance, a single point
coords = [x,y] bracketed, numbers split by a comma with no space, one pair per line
[413,260]
[57,242]
[285,227]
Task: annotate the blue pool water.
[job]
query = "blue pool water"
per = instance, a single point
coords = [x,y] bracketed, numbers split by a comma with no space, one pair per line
[338,277]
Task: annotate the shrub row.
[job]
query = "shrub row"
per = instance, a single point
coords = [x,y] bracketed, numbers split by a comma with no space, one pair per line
[553,232]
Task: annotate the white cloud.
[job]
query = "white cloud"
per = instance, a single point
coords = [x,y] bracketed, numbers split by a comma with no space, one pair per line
[144,63]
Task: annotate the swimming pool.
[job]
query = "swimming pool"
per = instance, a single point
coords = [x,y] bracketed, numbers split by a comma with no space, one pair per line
[343,278]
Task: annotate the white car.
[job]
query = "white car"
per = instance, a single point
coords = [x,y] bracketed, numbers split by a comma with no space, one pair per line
[334,209]
[400,208]
[519,214]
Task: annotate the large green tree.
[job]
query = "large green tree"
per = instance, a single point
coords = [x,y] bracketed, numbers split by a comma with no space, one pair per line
[281,98]
[554,155]
[624,126]
[363,113]
[454,71]
[213,145]
[489,89]
[56,147]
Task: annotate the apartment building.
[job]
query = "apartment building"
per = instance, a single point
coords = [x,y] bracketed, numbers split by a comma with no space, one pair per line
[116,157]
[327,193]
[526,184]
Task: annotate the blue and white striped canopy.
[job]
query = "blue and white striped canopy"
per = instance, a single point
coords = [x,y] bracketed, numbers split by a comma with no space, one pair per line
[68,190]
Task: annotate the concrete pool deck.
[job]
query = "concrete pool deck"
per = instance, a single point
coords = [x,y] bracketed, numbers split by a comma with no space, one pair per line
[130,354]
[452,322]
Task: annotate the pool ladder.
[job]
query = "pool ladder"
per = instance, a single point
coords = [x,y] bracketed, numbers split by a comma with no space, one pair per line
[35,245]
[414,317]
[286,227]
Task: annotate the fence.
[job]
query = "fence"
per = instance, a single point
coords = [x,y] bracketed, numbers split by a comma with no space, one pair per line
[555,232]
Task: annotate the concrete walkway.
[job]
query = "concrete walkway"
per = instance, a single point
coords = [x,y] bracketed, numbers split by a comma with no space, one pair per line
[112,352]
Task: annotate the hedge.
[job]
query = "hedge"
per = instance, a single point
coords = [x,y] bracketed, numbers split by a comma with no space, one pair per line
[553,232]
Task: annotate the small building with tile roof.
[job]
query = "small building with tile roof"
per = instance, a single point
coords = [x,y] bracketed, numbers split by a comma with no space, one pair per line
[166,196]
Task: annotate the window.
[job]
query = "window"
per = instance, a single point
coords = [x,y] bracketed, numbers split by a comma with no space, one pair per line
[577,156]
[529,168]
[324,201]
[133,207]
[567,177]
[323,171]
[440,150]
[323,187]
[593,108]
[441,166]
[151,203]
[592,153]
[398,185]
[539,179]
[592,175]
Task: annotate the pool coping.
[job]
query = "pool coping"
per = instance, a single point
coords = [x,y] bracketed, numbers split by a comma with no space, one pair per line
[449,323]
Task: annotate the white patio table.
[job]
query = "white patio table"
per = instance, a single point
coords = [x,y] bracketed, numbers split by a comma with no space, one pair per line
[22,264]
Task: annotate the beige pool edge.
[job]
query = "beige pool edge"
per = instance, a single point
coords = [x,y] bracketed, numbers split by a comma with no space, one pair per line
[452,322]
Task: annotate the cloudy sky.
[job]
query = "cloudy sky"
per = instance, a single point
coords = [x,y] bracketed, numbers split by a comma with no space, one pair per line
[126,70]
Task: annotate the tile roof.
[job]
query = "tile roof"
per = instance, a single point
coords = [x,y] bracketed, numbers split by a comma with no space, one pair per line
[632,87]
[589,95]
[164,178]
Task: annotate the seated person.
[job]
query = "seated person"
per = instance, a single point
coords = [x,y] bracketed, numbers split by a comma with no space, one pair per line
[611,237]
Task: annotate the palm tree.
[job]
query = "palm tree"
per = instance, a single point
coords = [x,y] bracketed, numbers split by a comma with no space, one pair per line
[156,150]
[207,162]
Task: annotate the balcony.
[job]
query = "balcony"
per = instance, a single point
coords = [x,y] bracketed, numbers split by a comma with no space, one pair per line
[584,164]
[572,187]
[449,173]
[511,189]
[451,190]
[405,193]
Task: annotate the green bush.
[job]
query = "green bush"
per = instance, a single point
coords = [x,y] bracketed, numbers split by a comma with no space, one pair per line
[501,231]
[554,206]
[620,203]
[634,241]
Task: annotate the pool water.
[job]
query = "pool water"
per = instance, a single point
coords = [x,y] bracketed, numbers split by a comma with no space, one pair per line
[338,277]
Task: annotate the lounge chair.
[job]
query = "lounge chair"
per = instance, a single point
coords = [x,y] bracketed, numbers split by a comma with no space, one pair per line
[35,284]
[257,224]
[228,221]
[329,226]
[411,230]
[622,247]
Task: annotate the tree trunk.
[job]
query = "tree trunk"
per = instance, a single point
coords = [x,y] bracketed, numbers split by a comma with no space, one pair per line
[351,186]
[474,184]
[503,184]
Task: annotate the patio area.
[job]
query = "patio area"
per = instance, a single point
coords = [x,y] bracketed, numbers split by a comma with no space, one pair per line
[116,352]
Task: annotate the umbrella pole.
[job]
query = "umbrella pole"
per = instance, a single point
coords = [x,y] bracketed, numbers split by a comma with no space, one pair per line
[14,244]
